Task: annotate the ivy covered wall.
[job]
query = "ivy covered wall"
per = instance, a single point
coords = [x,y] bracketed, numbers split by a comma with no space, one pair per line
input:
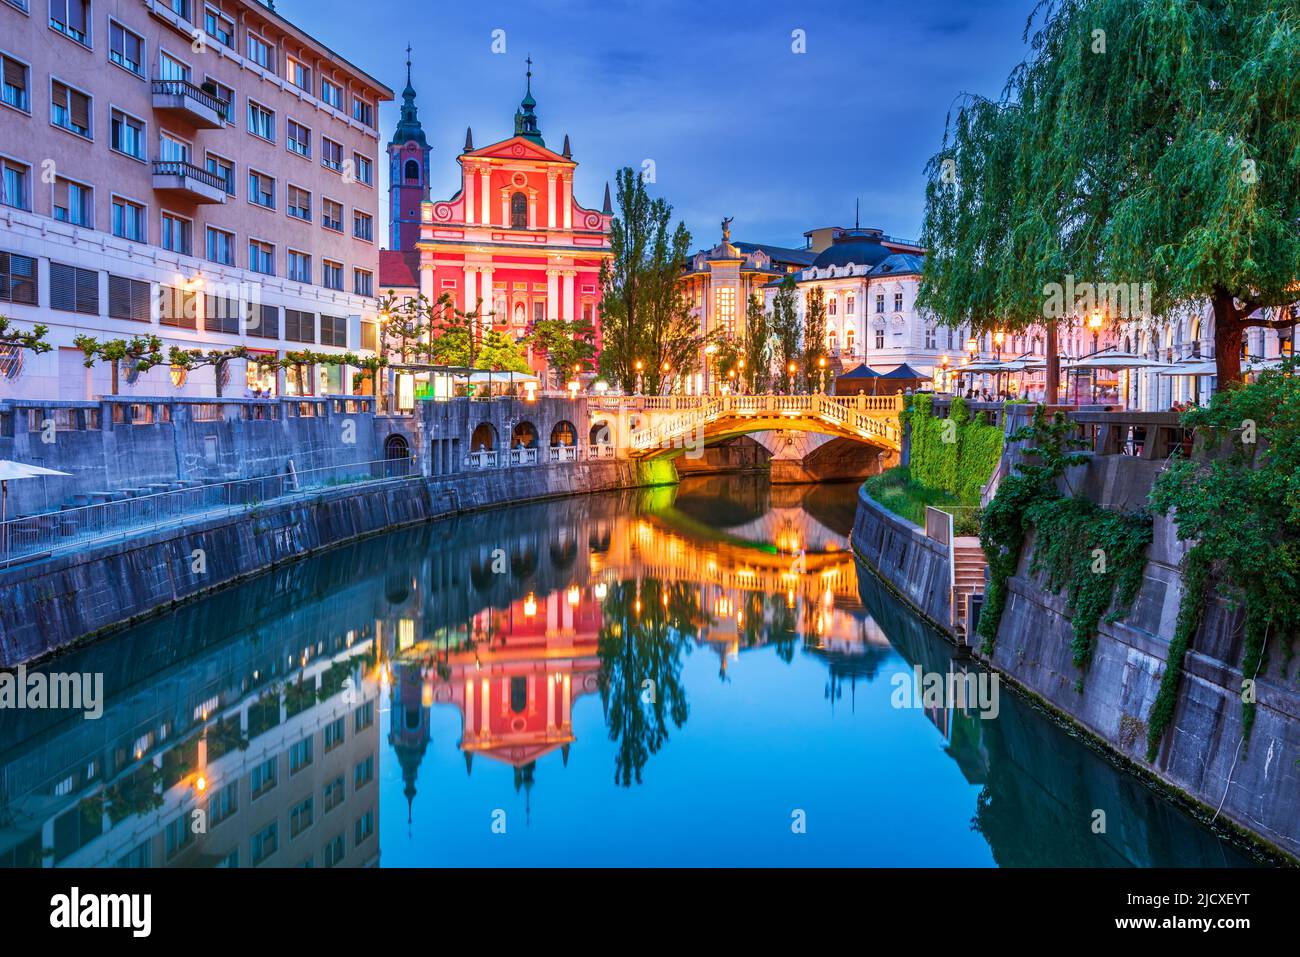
[957,454]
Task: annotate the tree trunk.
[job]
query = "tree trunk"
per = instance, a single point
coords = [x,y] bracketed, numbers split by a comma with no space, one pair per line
[1228,329]
[1053,376]
[216,372]
[114,385]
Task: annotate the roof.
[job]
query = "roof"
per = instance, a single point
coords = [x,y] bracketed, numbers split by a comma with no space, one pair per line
[898,264]
[904,372]
[399,269]
[802,257]
[863,371]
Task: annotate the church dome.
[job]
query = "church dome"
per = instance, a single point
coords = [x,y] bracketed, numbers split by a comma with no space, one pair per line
[862,247]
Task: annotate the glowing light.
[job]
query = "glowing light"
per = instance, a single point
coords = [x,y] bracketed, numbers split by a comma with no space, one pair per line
[601,591]
[200,783]
[575,595]
[530,606]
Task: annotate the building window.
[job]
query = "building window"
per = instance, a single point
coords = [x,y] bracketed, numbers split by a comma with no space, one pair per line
[15,85]
[832,306]
[179,836]
[71,18]
[73,203]
[930,340]
[299,267]
[260,52]
[363,112]
[263,778]
[300,817]
[261,257]
[224,803]
[266,325]
[849,340]
[880,302]
[69,109]
[331,154]
[725,304]
[129,220]
[412,171]
[299,205]
[363,717]
[128,299]
[898,302]
[265,843]
[849,304]
[261,189]
[299,74]
[177,234]
[179,7]
[299,139]
[333,852]
[178,307]
[333,794]
[74,290]
[299,326]
[519,211]
[221,314]
[125,48]
[14,191]
[18,279]
[365,826]
[126,134]
[880,338]
[226,94]
[332,275]
[365,170]
[363,225]
[332,215]
[261,121]
[334,733]
[363,282]
[224,168]
[172,150]
[334,331]
[170,68]
[219,26]
[331,94]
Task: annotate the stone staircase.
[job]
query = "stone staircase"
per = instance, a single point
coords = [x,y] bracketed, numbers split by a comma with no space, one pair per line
[968,578]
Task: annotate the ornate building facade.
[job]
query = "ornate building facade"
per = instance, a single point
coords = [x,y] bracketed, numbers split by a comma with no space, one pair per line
[513,238]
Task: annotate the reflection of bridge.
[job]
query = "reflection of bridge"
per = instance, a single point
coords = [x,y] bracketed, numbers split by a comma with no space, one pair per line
[661,425]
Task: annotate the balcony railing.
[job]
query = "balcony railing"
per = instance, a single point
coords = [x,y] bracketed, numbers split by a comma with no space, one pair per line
[199,107]
[178,176]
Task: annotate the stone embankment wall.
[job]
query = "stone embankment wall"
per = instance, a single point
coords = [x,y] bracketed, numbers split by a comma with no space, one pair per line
[1254,785]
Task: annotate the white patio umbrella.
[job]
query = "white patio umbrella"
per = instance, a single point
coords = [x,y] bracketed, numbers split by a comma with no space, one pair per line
[13,471]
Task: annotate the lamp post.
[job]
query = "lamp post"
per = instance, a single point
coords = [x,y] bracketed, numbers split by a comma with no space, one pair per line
[741,364]
[973,347]
[709,351]
[1095,323]
[998,338]
[821,375]
[663,373]
[790,369]
[943,371]
[639,377]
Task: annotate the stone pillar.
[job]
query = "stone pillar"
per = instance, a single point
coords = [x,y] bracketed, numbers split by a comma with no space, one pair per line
[469,195]
[485,289]
[566,199]
[483,183]
[552,293]
[471,283]
[550,198]
[426,281]
[569,312]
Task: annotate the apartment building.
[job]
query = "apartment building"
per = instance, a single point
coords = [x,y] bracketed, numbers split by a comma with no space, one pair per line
[200,171]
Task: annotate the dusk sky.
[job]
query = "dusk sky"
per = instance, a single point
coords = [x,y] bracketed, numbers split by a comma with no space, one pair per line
[735,122]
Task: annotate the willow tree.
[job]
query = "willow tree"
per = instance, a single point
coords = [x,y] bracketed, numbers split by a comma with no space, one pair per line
[644,316]
[1141,142]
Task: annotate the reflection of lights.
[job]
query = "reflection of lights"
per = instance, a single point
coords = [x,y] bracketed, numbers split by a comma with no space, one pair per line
[637,607]
[575,596]
[200,784]
[664,599]
[530,606]
[740,619]
[789,598]
[426,695]
[386,675]
[601,591]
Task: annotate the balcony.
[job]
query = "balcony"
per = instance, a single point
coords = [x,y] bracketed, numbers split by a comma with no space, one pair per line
[192,104]
[187,181]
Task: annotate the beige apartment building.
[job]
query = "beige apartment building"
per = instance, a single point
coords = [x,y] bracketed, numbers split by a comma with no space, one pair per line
[201,171]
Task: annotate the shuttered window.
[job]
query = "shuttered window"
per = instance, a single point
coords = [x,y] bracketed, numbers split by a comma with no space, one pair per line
[14,89]
[69,109]
[334,331]
[267,324]
[221,314]
[128,299]
[299,326]
[18,279]
[74,290]
[177,307]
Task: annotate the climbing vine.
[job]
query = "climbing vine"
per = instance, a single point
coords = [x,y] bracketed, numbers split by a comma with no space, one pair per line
[1239,503]
[956,455]
[1094,554]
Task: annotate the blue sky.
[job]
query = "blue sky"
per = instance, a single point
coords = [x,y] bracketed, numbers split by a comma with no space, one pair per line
[735,122]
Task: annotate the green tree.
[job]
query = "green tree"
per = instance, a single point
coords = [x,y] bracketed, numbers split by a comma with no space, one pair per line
[1141,142]
[14,338]
[814,336]
[644,316]
[567,345]
[218,359]
[785,327]
[139,354]
[756,345]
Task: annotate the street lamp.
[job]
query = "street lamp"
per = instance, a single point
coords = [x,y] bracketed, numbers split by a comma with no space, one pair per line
[709,352]
[943,374]
[639,366]
[821,365]
[1094,323]
[790,369]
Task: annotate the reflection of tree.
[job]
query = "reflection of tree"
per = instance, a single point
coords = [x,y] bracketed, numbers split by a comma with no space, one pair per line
[782,632]
[639,643]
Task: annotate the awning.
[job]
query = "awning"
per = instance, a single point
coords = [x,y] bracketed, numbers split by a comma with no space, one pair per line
[1113,360]
[863,371]
[904,372]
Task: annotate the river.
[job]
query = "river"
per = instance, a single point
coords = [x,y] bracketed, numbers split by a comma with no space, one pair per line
[676,676]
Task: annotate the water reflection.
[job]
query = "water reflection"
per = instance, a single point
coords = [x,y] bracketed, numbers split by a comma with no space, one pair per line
[651,677]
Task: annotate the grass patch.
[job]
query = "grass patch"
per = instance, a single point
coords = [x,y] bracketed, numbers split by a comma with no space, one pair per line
[896,490]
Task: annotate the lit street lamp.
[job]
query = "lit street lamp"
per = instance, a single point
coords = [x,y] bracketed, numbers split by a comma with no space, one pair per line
[821,365]
[790,369]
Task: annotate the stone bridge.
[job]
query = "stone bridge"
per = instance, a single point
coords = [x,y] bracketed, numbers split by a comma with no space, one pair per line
[809,437]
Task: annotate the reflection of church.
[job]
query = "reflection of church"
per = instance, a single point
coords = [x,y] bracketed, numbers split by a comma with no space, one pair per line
[514,684]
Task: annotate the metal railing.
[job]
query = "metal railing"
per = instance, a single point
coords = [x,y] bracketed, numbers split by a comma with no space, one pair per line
[188,89]
[37,535]
[188,171]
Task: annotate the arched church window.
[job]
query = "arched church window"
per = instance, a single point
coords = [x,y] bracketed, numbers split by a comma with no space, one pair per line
[412,171]
[519,211]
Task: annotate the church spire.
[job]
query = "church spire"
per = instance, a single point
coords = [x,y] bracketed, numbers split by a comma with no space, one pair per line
[408,127]
[525,116]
